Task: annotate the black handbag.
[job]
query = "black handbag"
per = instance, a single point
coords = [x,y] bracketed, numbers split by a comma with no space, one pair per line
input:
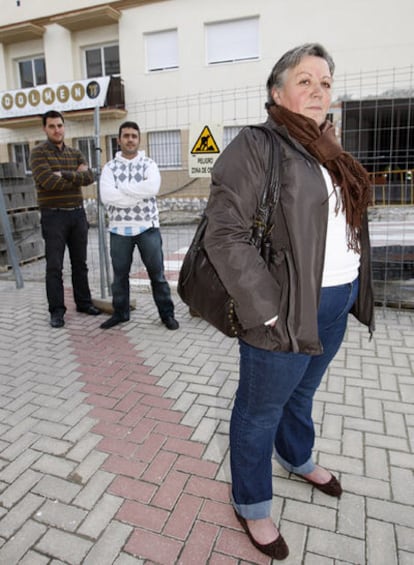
[199,285]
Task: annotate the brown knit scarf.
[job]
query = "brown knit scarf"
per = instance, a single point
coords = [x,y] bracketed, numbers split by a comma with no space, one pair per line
[346,172]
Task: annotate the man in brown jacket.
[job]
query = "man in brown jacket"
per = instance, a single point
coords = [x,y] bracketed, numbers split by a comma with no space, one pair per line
[59,173]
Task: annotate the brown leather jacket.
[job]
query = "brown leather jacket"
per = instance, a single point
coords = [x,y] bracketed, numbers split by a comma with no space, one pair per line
[290,288]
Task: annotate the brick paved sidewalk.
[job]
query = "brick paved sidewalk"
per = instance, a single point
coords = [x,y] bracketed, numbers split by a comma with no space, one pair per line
[114,445]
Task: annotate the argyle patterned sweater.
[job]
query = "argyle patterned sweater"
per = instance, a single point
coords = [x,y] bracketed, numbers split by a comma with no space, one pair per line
[128,189]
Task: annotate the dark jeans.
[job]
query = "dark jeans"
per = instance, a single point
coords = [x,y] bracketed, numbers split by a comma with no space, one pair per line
[149,245]
[273,407]
[61,228]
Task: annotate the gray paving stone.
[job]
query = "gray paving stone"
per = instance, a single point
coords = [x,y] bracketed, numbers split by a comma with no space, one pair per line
[351,516]
[398,459]
[94,489]
[205,430]
[381,546]
[80,429]
[109,544]
[19,446]
[10,473]
[59,515]
[18,515]
[52,429]
[52,446]
[336,546]
[332,426]
[19,488]
[88,466]
[19,428]
[56,489]
[353,443]
[14,549]
[341,463]
[58,466]
[390,512]
[402,484]
[405,538]
[310,515]
[386,442]
[100,516]
[65,546]
[376,463]
[84,446]
[34,558]
[176,390]
[313,559]
[366,486]
[192,416]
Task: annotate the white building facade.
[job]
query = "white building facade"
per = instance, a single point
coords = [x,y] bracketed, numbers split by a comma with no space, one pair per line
[173,63]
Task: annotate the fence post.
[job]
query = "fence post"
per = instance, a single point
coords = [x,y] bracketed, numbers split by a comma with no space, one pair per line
[103,248]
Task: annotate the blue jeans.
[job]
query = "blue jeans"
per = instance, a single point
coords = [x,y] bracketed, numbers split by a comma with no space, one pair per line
[61,228]
[273,407]
[149,245]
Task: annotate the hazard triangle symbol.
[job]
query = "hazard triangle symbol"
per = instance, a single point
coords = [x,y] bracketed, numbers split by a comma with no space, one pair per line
[205,143]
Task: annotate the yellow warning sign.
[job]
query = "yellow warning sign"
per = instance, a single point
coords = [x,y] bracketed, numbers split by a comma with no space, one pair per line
[205,143]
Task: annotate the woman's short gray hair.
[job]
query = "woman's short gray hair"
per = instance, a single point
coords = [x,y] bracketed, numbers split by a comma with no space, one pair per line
[291,59]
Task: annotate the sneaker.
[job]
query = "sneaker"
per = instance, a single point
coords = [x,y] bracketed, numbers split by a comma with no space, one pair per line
[171,323]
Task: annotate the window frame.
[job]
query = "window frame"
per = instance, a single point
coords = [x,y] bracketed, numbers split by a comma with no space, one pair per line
[25,153]
[167,48]
[167,153]
[223,32]
[101,47]
[32,60]
[112,146]
[90,153]
[229,133]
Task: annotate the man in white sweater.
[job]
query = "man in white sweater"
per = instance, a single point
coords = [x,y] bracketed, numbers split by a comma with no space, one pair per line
[129,184]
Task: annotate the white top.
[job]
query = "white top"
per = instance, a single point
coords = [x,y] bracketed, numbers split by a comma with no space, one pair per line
[341,264]
[128,188]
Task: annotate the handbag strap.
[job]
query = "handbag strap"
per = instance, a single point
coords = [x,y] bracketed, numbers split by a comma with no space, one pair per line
[271,193]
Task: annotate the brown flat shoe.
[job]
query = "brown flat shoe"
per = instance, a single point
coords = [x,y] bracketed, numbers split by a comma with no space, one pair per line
[331,488]
[276,549]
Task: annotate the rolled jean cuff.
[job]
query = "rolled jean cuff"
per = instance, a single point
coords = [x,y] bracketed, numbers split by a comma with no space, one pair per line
[303,469]
[255,511]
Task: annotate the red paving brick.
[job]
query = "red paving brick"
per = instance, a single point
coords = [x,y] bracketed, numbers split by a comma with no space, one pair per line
[199,544]
[132,489]
[183,516]
[237,544]
[123,466]
[194,466]
[157,548]
[170,490]
[159,467]
[179,513]
[142,515]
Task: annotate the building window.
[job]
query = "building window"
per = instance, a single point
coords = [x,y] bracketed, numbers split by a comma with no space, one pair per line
[21,152]
[32,72]
[113,146]
[229,133]
[235,40]
[164,147]
[102,61]
[87,147]
[161,50]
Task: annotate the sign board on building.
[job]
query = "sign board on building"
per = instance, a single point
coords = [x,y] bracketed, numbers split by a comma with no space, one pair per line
[205,146]
[63,97]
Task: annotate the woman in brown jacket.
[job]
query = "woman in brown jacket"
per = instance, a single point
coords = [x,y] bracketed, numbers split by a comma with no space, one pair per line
[293,313]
